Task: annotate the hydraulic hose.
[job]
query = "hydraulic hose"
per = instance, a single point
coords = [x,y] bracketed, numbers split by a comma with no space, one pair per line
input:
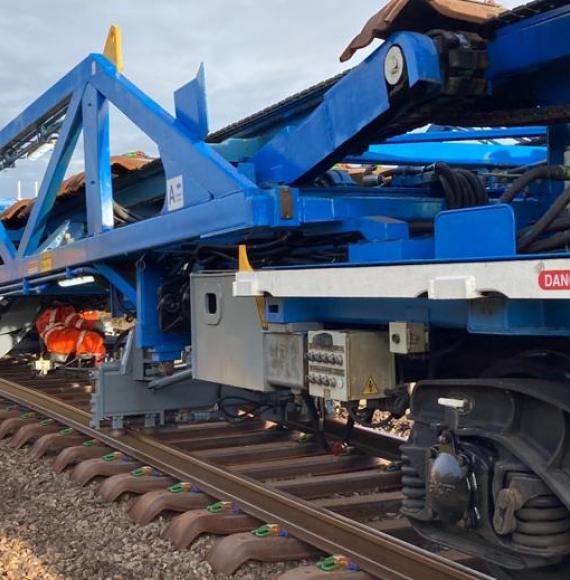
[545,221]
[560,224]
[480,193]
[461,187]
[556,172]
[468,195]
[449,183]
[555,241]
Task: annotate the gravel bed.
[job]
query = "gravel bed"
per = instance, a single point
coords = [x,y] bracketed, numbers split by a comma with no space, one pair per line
[52,529]
[400,427]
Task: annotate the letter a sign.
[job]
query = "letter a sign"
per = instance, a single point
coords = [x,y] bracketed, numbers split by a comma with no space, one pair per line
[174,193]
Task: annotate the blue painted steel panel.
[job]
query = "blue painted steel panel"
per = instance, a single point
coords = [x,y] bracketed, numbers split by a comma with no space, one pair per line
[477,232]
[65,229]
[448,313]
[191,107]
[519,317]
[391,251]
[530,44]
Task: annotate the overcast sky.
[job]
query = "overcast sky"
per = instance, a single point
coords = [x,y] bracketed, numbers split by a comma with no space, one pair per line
[255,52]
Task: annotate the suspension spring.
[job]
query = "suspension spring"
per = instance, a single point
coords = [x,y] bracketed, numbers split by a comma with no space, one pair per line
[543,522]
[413,487]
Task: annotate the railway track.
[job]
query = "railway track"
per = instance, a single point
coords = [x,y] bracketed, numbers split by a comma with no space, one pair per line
[271,491]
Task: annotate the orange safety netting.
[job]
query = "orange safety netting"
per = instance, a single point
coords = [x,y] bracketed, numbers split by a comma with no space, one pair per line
[65,331]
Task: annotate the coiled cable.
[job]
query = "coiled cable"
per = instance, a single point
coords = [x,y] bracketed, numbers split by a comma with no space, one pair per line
[461,187]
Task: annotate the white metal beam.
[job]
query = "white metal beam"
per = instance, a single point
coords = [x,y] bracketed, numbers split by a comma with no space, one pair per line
[516,279]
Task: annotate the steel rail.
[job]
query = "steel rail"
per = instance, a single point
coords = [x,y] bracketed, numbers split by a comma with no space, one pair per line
[377,553]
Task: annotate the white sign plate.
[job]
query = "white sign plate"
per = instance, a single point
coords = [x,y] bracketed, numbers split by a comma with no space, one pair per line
[174,193]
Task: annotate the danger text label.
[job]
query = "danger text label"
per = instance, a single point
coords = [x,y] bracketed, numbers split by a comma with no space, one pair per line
[554,280]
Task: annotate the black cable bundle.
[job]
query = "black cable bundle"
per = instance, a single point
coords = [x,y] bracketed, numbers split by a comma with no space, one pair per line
[462,187]
[552,220]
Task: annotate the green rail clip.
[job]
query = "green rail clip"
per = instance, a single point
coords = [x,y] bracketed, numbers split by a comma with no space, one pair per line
[46,422]
[270,531]
[223,507]
[144,471]
[115,456]
[182,487]
[336,562]
[89,443]
[66,431]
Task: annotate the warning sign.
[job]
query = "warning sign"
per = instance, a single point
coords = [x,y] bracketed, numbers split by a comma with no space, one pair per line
[554,280]
[370,387]
[174,193]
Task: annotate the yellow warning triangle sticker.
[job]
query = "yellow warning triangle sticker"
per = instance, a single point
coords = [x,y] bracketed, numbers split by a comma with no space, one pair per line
[370,387]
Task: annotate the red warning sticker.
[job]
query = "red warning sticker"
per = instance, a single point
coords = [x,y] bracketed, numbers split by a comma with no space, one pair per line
[554,280]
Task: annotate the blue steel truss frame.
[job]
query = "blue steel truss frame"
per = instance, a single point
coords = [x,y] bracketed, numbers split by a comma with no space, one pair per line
[203,174]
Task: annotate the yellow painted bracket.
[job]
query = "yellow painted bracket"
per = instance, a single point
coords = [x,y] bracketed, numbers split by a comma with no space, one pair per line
[114,47]
[244,265]
[243,259]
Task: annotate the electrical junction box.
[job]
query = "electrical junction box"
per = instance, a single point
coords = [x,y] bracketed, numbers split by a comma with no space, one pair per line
[408,337]
[350,365]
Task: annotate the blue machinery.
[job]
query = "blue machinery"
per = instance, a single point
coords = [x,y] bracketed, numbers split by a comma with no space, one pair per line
[265,270]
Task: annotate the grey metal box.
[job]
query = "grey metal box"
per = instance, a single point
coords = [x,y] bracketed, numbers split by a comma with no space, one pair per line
[408,337]
[349,365]
[284,355]
[227,341]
